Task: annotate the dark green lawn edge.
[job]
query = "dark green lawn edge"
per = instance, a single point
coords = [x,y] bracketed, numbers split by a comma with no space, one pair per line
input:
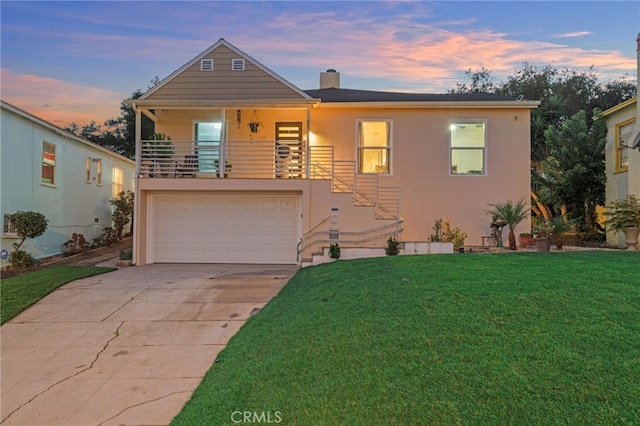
[19,292]
[517,338]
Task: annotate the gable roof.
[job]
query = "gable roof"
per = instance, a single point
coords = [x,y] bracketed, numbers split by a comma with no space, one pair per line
[218,85]
[60,131]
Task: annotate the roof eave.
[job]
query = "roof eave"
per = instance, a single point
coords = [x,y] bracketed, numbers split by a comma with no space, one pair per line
[62,132]
[220,103]
[619,106]
[433,104]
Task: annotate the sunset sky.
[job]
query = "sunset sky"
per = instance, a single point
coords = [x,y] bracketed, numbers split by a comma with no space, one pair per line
[76,61]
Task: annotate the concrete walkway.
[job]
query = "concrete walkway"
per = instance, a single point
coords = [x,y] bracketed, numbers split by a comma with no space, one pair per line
[127,347]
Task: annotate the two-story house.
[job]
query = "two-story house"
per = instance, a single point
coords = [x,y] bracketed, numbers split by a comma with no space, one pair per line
[68,179]
[259,171]
[622,153]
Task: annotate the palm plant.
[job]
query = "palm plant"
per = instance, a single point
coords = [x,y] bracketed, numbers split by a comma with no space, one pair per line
[512,213]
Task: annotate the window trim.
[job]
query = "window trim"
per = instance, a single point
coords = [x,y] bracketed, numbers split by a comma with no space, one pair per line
[88,171]
[484,148]
[54,165]
[117,181]
[359,122]
[98,171]
[6,223]
[618,147]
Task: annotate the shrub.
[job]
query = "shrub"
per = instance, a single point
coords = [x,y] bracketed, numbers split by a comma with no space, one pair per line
[28,225]
[391,248]
[442,232]
[108,236]
[334,251]
[126,254]
[76,244]
[123,213]
[22,259]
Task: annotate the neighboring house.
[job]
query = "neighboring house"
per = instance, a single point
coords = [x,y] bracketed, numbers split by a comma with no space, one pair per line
[623,153]
[68,179]
[307,168]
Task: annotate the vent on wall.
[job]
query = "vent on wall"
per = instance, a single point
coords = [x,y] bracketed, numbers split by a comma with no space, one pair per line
[206,65]
[237,64]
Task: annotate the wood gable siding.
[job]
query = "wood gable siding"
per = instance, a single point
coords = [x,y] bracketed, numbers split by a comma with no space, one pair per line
[224,84]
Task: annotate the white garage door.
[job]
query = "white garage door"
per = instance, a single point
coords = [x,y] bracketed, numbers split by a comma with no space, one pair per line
[225,229]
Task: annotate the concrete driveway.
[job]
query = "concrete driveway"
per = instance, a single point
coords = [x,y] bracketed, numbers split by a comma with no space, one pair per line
[127,347]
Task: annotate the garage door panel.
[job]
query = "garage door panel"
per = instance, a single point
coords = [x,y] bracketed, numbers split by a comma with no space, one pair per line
[225,229]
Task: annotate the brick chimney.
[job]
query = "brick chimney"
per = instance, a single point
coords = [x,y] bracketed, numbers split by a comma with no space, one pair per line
[331,78]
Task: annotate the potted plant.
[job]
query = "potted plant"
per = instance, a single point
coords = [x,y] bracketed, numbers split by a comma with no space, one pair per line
[161,152]
[526,239]
[542,236]
[558,228]
[227,167]
[624,215]
[512,214]
[254,125]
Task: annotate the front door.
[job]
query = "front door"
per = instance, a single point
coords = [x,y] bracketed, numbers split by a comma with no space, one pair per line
[207,136]
[289,158]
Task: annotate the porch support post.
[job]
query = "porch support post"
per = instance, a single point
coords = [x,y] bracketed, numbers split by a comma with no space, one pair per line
[223,143]
[307,159]
[138,169]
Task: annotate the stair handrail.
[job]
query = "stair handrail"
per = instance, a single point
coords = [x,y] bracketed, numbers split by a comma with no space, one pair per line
[304,245]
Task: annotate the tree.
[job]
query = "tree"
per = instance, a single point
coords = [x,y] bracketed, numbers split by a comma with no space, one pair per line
[118,134]
[574,172]
[123,213]
[28,225]
[481,82]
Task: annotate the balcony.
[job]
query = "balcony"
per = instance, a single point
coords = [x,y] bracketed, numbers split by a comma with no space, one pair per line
[243,159]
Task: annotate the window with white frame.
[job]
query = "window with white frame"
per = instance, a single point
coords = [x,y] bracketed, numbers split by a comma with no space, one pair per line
[88,173]
[374,146]
[48,163]
[623,138]
[116,182]
[7,228]
[98,170]
[467,147]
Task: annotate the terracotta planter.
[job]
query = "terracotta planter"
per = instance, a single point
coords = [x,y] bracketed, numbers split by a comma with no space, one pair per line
[543,244]
[526,241]
[631,238]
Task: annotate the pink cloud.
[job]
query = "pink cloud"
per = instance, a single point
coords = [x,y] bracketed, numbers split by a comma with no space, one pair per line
[415,53]
[59,102]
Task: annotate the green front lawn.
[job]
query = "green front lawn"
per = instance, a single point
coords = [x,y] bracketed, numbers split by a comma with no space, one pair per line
[503,339]
[19,292]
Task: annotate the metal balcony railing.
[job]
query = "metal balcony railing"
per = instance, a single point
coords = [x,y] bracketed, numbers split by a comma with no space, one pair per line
[242,159]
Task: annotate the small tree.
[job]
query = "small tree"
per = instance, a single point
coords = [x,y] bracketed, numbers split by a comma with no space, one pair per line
[27,225]
[391,248]
[123,213]
[511,213]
